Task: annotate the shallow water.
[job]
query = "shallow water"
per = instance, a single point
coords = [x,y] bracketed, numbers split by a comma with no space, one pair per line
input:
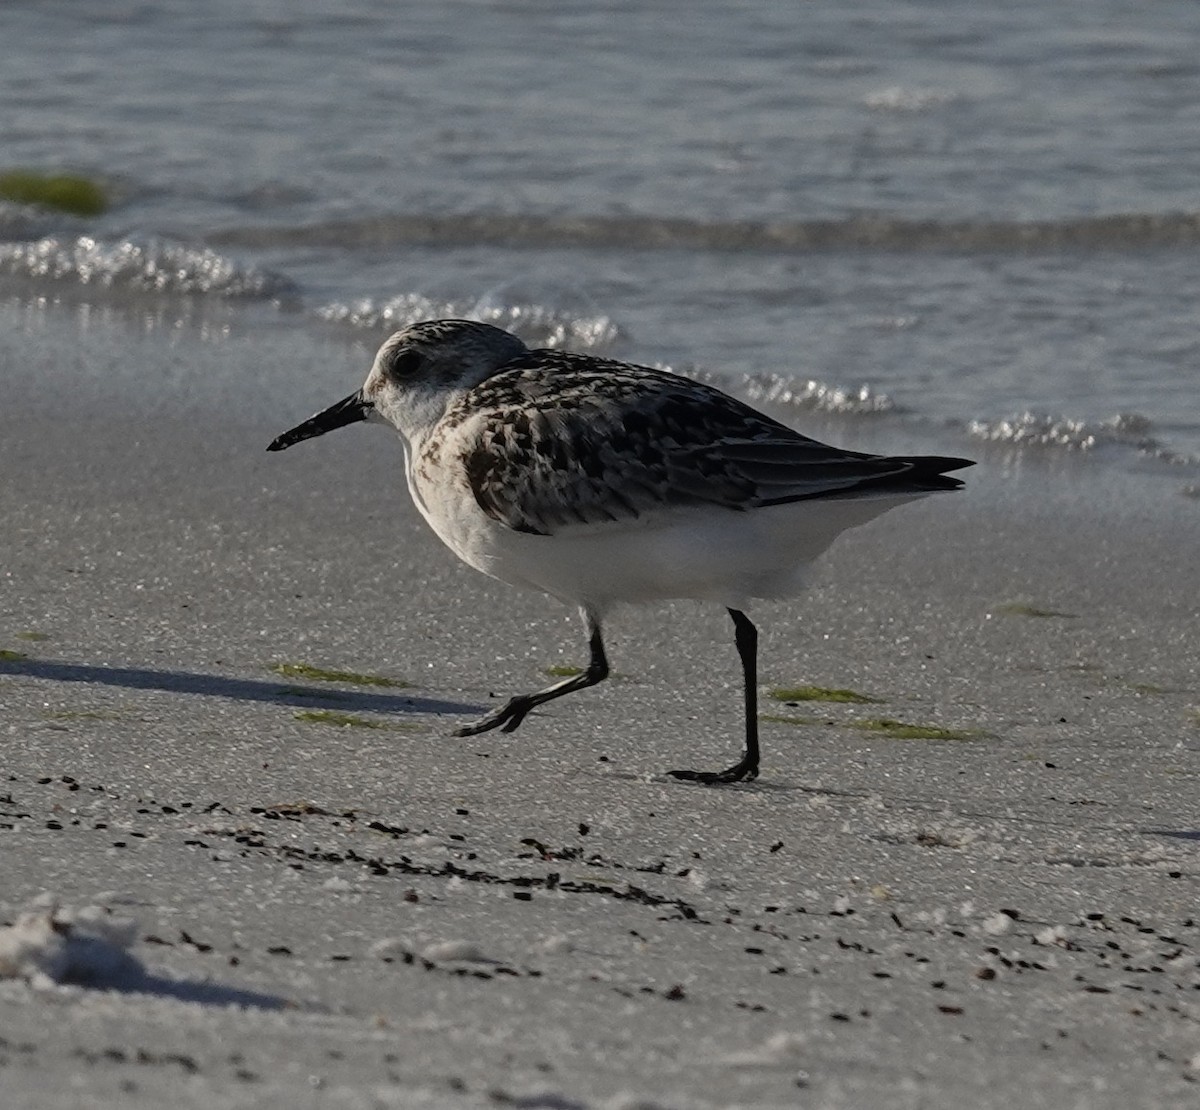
[919,212]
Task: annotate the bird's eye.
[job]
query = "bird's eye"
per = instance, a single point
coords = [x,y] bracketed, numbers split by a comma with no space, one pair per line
[405,363]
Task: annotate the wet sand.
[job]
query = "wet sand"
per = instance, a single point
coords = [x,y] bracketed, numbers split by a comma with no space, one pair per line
[336,904]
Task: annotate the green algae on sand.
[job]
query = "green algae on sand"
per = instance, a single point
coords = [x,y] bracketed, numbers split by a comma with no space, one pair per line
[821,693]
[86,715]
[563,670]
[353,678]
[902,730]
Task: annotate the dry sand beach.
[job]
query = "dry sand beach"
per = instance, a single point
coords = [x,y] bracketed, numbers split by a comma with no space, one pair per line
[274,889]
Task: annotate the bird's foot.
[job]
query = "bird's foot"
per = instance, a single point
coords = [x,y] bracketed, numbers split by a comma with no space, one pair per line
[742,771]
[506,718]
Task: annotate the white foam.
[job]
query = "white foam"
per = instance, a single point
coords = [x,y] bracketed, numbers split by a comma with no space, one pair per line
[153,266]
[1051,430]
[538,325]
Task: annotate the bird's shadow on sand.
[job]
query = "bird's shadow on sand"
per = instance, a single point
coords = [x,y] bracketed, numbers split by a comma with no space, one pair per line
[218,686]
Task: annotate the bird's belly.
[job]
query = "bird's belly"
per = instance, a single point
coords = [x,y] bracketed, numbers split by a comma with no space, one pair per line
[709,554]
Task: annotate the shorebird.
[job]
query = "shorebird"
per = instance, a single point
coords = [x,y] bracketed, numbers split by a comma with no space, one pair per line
[601,482]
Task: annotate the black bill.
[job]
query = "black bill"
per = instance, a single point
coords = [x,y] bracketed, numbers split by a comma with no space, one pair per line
[350,410]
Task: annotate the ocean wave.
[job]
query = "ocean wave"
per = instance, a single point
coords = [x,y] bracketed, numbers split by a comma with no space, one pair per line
[158,267]
[1032,429]
[630,232]
[537,325]
[807,395]
[815,396]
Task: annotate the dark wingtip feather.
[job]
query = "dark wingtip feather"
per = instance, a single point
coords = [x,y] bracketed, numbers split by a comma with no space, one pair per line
[924,472]
[944,464]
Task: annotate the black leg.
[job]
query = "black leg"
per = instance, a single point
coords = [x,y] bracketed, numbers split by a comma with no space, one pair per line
[745,636]
[513,712]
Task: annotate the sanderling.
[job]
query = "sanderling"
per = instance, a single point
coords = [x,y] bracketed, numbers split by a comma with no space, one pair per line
[600,482]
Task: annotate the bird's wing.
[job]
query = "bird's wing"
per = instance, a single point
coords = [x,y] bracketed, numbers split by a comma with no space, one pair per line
[556,440]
